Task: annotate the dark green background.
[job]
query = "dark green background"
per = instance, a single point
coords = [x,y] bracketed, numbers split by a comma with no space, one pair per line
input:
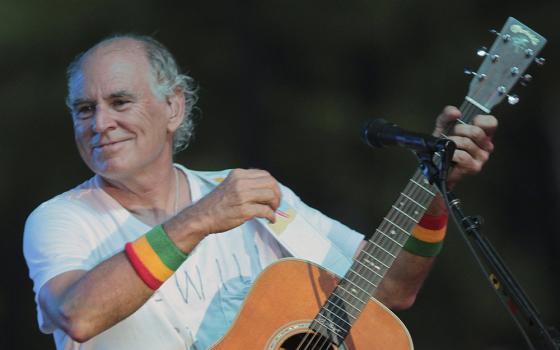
[286,86]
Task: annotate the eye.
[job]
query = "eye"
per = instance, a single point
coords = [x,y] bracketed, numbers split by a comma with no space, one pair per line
[120,103]
[85,111]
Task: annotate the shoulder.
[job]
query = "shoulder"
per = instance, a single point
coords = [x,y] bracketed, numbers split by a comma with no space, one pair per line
[66,204]
[67,211]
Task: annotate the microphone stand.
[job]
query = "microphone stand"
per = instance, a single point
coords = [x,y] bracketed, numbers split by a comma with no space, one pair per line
[435,167]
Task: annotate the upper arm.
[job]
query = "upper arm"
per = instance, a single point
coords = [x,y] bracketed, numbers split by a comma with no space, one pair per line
[57,254]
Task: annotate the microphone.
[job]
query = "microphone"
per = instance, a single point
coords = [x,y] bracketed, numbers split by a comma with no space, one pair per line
[379,133]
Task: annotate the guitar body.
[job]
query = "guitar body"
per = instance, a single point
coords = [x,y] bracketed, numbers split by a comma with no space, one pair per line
[287,296]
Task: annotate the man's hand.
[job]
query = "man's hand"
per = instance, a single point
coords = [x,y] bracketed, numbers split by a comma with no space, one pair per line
[474,142]
[242,196]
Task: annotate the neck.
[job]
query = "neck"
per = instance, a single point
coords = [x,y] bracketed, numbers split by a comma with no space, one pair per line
[152,196]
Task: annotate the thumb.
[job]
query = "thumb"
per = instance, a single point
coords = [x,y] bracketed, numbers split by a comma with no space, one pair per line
[449,115]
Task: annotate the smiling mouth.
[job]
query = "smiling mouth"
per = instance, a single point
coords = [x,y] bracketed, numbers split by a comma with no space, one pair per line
[108,145]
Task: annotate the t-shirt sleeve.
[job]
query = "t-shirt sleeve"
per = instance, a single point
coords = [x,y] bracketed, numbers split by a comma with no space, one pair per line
[52,245]
[343,237]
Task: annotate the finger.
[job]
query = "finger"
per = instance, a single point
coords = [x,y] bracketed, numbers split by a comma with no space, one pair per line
[468,145]
[488,123]
[249,173]
[476,134]
[245,185]
[263,211]
[261,196]
[465,163]
[448,116]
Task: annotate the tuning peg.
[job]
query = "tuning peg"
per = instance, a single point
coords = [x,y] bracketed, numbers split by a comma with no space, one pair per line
[529,52]
[526,79]
[540,61]
[512,99]
[470,72]
[483,51]
[505,37]
[514,71]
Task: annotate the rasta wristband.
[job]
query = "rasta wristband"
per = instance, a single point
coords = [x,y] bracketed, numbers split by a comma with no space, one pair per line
[427,237]
[154,256]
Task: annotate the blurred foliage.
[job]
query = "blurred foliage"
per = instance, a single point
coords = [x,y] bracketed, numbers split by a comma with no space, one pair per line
[286,86]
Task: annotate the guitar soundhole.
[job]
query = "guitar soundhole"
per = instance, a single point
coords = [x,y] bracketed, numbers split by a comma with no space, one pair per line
[307,341]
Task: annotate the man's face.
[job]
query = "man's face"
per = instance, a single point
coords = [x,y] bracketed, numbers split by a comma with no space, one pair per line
[120,126]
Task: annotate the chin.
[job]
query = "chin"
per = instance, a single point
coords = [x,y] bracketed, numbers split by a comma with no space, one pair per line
[111,168]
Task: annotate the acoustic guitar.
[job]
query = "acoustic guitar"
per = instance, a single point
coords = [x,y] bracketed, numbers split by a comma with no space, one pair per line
[295,304]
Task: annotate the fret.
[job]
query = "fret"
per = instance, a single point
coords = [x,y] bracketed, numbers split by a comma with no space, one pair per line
[390,231]
[388,243]
[343,309]
[347,292]
[340,312]
[359,262]
[417,192]
[353,282]
[413,201]
[374,250]
[335,298]
[337,316]
[370,263]
[397,226]
[424,188]
[367,280]
[373,257]
[386,252]
[387,236]
[405,214]
[401,220]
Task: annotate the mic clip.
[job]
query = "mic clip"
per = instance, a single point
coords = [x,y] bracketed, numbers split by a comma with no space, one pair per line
[435,164]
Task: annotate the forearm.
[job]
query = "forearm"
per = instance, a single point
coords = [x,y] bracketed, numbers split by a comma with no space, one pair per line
[404,279]
[84,304]
[96,300]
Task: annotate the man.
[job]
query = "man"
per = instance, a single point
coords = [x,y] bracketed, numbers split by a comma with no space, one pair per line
[150,255]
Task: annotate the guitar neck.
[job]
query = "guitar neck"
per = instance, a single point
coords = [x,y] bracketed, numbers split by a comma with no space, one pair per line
[380,251]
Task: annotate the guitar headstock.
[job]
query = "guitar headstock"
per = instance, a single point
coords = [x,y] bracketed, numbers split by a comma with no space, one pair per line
[515,48]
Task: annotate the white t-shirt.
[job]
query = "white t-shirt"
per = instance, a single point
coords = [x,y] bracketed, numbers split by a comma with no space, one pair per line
[83,227]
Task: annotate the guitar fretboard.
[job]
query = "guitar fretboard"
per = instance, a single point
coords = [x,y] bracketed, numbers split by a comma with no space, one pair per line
[347,301]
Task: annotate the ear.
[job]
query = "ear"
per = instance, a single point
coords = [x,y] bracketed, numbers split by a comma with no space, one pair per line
[176,104]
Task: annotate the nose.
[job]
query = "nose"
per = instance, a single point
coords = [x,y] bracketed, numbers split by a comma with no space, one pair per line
[103,120]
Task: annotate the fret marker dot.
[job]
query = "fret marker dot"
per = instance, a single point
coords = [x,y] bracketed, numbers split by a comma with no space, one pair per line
[426,181]
[392,231]
[401,204]
[416,212]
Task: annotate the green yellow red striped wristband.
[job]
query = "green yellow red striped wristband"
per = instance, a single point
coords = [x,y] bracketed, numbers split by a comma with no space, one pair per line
[154,256]
[427,237]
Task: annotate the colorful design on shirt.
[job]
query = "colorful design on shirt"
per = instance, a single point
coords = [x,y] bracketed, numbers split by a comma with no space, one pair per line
[219,179]
[284,216]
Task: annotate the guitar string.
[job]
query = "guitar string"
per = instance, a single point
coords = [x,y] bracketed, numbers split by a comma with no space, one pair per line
[467,109]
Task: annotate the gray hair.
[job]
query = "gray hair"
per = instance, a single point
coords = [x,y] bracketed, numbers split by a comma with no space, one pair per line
[167,79]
